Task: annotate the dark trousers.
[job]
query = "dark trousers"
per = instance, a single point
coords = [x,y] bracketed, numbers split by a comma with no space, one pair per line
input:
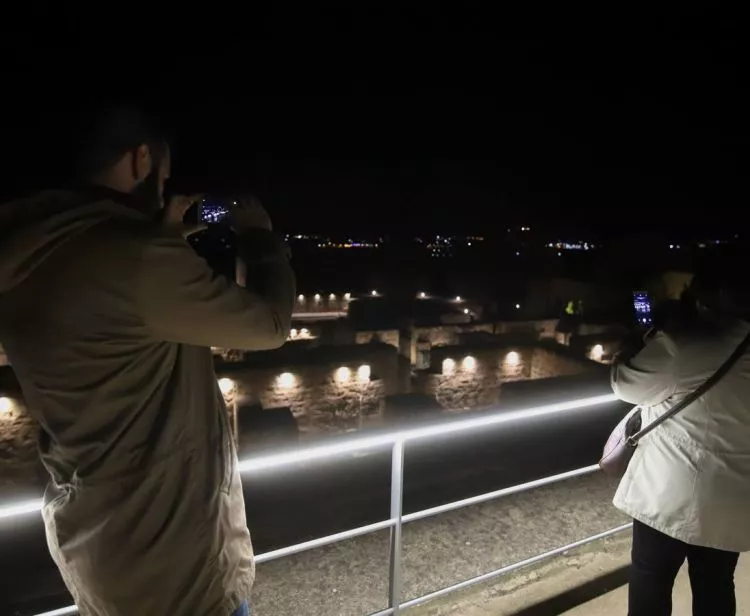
[656,560]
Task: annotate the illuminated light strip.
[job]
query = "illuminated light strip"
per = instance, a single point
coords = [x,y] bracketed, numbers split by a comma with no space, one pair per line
[374,442]
[11,511]
[63,611]
[381,440]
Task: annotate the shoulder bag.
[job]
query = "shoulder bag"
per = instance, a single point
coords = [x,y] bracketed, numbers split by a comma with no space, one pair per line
[621,444]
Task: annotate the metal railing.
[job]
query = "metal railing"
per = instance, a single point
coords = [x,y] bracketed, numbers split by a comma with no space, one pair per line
[397,441]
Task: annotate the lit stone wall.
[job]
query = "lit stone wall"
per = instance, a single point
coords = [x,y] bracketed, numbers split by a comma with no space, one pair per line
[463,380]
[322,302]
[446,335]
[19,461]
[333,397]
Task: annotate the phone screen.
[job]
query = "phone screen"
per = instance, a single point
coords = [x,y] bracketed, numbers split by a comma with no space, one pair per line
[642,306]
[212,211]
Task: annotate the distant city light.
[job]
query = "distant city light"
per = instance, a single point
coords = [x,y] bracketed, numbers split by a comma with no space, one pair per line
[518,253]
[6,405]
[343,374]
[286,380]
[364,372]
[226,386]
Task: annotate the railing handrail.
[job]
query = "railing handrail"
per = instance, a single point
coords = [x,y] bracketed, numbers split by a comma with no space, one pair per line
[376,441]
[397,441]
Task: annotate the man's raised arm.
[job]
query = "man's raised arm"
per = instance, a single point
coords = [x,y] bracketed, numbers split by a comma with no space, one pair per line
[181,299]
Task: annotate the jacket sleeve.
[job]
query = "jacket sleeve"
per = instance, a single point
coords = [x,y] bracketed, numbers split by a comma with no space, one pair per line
[181,299]
[649,377]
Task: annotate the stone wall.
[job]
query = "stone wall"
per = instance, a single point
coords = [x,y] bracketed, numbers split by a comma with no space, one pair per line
[321,302]
[447,335]
[462,379]
[391,337]
[20,468]
[546,363]
[324,397]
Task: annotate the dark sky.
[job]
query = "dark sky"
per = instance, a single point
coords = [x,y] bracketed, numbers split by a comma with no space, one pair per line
[439,121]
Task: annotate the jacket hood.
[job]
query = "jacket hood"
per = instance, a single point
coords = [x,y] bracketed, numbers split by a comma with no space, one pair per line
[33,228]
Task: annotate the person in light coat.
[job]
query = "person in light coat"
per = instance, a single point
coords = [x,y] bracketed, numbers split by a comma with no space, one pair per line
[687,487]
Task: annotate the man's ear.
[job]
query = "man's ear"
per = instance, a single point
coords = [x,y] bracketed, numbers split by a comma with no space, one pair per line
[142,162]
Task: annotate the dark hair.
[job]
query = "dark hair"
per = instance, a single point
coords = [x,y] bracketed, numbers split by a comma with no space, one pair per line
[105,135]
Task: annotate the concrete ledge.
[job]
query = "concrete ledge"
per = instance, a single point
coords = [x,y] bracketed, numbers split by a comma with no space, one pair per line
[546,589]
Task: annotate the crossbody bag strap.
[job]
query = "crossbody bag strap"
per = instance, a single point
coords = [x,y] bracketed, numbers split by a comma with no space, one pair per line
[695,394]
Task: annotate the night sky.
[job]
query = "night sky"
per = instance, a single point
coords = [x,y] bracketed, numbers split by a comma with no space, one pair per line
[429,121]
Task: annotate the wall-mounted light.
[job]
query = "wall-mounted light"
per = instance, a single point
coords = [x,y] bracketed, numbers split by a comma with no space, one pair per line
[286,380]
[304,332]
[466,311]
[422,295]
[512,358]
[363,373]
[458,298]
[293,333]
[317,297]
[374,293]
[226,386]
[343,374]
[347,296]
[449,366]
[332,296]
[6,405]
[469,363]
[597,352]
[300,298]
[518,306]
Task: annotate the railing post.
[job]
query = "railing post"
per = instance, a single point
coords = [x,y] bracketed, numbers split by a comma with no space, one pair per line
[397,497]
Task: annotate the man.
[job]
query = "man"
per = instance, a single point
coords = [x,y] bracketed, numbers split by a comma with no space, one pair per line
[108,319]
[688,484]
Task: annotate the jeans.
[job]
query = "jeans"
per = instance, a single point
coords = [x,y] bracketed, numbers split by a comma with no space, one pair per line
[243,610]
[656,560]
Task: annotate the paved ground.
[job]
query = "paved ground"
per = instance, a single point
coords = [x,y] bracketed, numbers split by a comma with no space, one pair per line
[616,601]
[351,579]
[303,503]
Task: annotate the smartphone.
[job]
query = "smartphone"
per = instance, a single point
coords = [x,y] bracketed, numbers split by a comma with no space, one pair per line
[212,211]
[642,307]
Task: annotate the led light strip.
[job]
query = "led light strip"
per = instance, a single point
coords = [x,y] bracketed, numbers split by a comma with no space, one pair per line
[319,452]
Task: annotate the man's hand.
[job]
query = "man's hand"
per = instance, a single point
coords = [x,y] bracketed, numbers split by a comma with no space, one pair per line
[249,214]
[174,215]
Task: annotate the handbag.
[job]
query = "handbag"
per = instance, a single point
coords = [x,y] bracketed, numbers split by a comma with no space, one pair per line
[621,444]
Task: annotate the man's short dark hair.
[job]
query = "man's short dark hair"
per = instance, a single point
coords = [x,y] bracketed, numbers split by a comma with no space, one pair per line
[106,135]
